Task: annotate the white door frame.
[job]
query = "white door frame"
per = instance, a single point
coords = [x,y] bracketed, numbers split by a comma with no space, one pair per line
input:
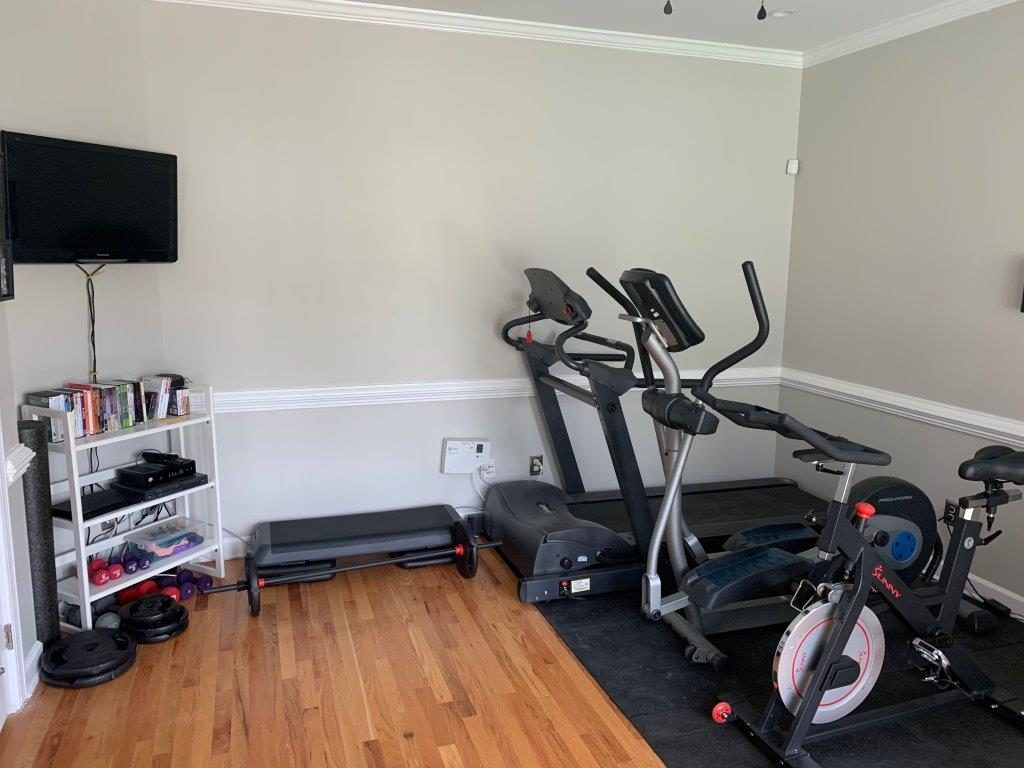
[13,694]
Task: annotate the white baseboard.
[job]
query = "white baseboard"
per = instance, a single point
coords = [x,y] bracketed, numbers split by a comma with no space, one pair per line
[30,671]
[234,548]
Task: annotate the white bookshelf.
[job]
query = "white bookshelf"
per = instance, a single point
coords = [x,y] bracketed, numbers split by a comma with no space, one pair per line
[192,436]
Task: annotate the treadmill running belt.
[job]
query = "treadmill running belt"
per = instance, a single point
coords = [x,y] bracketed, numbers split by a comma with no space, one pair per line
[718,513]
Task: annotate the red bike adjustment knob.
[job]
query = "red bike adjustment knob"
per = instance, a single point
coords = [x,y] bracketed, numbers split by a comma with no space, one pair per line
[863,510]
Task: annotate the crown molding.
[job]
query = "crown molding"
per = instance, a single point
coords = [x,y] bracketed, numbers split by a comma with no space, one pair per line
[371,13]
[901,27]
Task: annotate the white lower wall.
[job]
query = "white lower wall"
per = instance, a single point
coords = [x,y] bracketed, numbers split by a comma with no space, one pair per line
[323,461]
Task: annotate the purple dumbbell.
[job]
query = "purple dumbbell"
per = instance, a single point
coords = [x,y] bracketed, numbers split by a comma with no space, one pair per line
[187,590]
[163,581]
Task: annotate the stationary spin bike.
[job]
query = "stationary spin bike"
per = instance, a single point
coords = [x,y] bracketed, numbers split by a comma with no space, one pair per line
[830,656]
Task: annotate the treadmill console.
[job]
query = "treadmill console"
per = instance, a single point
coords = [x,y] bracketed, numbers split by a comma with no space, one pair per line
[554,299]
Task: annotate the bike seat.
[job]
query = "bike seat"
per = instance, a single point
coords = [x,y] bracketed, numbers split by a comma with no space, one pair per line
[742,575]
[995,462]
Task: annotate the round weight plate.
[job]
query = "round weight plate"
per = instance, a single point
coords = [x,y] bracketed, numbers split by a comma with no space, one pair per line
[252,579]
[109,620]
[87,654]
[86,682]
[174,620]
[801,645]
[462,535]
[149,611]
[152,640]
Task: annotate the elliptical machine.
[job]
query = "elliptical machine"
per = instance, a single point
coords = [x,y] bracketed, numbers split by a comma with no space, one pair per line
[748,585]
[553,540]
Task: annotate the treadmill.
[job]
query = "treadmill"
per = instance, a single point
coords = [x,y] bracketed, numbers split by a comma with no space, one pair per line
[714,511]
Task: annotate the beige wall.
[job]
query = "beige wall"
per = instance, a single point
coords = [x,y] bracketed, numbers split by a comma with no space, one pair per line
[908,247]
[908,240]
[357,204]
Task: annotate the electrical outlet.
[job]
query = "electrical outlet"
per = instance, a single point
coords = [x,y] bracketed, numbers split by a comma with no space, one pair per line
[489,471]
[536,466]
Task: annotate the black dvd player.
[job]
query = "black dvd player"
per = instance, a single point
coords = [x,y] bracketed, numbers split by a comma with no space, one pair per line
[117,496]
[97,503]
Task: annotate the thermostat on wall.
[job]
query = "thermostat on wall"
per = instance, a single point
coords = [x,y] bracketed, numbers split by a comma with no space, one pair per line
[464,455]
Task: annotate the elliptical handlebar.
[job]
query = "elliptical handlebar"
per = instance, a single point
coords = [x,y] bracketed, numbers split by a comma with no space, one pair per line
[823,444]
[763,327]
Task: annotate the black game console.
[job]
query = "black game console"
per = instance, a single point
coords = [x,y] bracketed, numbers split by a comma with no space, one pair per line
[149,474]
[163,489]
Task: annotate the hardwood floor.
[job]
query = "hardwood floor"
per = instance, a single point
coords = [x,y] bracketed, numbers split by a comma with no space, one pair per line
[378,668]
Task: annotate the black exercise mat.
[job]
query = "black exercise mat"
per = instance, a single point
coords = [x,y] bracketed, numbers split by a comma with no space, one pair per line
[640,666]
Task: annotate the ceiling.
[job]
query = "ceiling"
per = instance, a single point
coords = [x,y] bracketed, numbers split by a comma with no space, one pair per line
[815,23]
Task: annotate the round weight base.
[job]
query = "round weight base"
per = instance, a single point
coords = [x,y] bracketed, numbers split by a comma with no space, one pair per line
[88,681]
[154,639]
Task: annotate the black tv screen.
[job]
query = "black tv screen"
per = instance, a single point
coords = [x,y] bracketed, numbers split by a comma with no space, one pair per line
[68,202]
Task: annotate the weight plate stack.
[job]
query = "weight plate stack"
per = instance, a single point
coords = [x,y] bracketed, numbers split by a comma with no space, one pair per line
[154,619]
[88,658]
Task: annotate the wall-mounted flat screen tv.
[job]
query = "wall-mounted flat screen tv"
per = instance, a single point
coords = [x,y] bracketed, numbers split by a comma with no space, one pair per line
[68,202]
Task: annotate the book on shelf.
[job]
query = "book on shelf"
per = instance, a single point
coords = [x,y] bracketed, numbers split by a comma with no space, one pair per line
[55,400]
[158,395]
[77,399]
[136,399]
[92,408]
[106,406]
[110,409]
[179,404]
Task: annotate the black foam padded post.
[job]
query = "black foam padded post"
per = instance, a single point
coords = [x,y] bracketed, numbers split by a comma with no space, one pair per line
[39,529]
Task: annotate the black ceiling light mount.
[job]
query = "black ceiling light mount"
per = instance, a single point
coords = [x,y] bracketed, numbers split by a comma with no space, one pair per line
[762,13]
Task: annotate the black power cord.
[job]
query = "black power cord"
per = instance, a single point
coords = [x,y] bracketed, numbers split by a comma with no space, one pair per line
[90,295]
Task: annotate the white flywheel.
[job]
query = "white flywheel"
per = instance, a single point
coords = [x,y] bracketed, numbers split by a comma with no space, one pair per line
[801,646]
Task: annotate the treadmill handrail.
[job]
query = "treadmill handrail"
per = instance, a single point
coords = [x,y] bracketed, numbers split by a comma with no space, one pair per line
[625,353]
[639,334]
[516,322]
